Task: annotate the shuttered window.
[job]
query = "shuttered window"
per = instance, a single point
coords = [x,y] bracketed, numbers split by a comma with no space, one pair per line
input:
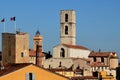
[30,76]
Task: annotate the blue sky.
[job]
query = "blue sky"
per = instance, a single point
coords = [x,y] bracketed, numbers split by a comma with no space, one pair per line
[97,21]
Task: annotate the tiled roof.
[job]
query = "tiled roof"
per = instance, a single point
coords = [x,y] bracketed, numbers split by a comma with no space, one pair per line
[99,54]
[54,70]
[12,67]
[83,77]
[103,54]
[98,64]
[75,46]
[32,53]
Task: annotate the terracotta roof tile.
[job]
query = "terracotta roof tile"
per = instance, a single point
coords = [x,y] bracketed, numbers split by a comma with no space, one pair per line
[83,77]
[12,67]
[32,53]
[54,70]
[99,54]
[75,46]
[103,54]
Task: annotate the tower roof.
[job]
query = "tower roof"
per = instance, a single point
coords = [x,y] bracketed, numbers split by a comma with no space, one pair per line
[37,33]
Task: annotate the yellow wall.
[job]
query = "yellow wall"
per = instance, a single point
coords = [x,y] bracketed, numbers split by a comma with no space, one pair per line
[40,74]
[103,73]
[105,76]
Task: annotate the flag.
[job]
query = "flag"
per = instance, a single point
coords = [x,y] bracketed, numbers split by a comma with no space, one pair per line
[3,20]
[12,18]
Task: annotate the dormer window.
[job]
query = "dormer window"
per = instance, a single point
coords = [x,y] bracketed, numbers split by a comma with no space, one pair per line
[66,17]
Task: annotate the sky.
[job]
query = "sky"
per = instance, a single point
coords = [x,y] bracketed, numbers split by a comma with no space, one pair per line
[97,21]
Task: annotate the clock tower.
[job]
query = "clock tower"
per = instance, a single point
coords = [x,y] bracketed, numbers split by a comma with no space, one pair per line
[37,40]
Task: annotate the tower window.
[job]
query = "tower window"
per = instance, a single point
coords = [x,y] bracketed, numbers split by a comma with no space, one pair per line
[62,53]
[66,29]
[22,54]
[66,17]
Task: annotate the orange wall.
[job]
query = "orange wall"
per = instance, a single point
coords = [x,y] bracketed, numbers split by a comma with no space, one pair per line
[40,74]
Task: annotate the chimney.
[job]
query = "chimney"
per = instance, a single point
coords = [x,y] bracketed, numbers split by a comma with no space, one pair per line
[39,55]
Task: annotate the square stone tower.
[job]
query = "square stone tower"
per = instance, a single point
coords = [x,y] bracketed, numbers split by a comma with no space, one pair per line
[68,27]
[15,47]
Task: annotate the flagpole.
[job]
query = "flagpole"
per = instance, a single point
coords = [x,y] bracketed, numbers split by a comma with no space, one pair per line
[15,25]
[4,26]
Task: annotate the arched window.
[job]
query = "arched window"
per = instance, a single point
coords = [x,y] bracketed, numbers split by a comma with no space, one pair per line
[66,17]
[60,64]
[66,29]
[62,53]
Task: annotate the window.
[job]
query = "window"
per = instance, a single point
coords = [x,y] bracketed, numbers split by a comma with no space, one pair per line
[66,17]
[94,58]
[60,64]
[22,54]
[102,59]
[62,53]
[30,76]
[66,29]
[49,66]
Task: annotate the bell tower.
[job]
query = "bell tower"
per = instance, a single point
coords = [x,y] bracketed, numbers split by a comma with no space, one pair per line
[68,27]
[37,40]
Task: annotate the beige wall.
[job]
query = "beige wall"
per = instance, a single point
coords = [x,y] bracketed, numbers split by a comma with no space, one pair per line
[79,53]
[70,52]
[113,63]
[71,13]
[69,38]
[32,59]
[98,59]
[12,47]
[83,65]
[22,46]
[57,49]
[55,62]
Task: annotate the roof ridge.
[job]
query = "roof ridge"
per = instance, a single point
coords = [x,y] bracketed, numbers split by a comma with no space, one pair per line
[75,46]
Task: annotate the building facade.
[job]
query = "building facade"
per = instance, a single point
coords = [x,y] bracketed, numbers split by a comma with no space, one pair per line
[68,27]
[28,72]
[67,47]
[104,61]
[15,48]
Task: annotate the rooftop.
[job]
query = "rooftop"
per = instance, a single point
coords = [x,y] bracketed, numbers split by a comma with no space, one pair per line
[75,46]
